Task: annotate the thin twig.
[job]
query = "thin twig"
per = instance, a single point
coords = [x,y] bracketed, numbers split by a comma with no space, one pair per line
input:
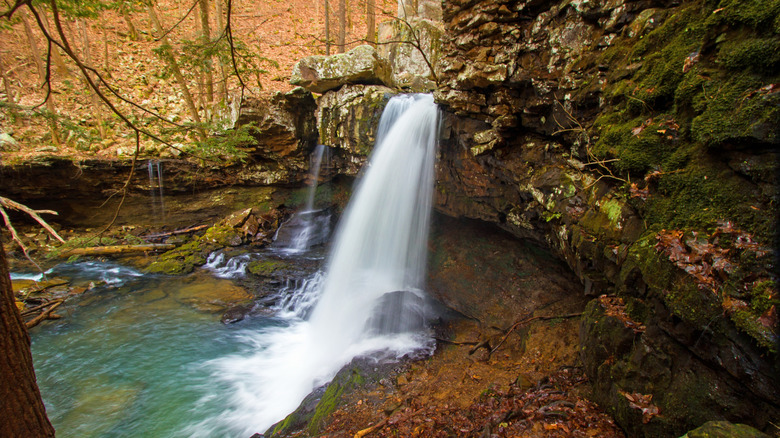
[526,321]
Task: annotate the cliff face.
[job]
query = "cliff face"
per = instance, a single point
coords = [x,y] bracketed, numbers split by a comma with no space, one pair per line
[637,139]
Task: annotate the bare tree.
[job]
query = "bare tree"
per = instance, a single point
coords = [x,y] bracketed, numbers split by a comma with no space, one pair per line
[371,22]
[22,409]
[43,73]
[327,27]
[342,36]
[9,92]
[87,52]
[205,38]
[170,58]
[132,32]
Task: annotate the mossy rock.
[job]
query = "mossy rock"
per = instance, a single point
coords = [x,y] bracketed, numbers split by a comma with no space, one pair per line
[724,429]
[267,267]
[314,412]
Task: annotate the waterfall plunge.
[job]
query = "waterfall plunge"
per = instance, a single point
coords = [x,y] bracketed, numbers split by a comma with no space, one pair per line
[370,298]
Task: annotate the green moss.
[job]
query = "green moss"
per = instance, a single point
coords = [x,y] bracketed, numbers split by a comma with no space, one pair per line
[331,398]
[756,15]
[735,109]
[613,209]
[703,194]
[266,267]
[762,55]
[764,296]
[221,235]
[748,322]
[171,266]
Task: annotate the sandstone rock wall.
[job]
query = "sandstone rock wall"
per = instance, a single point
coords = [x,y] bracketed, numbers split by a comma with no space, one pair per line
[636,139]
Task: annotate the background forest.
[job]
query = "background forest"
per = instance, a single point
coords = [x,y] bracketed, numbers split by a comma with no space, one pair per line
[176,70]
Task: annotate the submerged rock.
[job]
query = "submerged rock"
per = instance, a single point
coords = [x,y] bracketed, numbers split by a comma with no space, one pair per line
[361,65]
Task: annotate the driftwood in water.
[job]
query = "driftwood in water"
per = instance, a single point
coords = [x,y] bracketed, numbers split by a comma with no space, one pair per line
[41,306]
[175,232]
[44,315]
[117,249]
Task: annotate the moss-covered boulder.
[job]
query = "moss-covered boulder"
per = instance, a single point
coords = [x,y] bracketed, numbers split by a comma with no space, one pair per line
[724,429]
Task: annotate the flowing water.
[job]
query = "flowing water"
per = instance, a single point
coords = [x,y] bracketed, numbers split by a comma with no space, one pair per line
[307,227]
[135,358]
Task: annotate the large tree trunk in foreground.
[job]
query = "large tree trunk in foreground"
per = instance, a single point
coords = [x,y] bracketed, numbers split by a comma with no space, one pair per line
[21,407]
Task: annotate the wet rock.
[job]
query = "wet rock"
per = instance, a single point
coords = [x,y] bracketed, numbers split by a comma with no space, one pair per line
[361,65]
[348,119]
[724,429]
[242,311]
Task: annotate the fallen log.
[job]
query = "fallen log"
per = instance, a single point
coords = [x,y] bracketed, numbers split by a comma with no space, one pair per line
[117,249]
[44,315]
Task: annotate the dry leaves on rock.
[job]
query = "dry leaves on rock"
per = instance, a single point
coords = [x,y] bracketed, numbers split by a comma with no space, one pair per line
[643,403]
[616,308]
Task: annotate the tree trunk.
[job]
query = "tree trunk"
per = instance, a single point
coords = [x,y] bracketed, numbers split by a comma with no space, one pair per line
[327,27]
[62,68]
[82,24]
[9,92]
[371,22]
[106,58]
[341,44]
[171,60]
[205,39]
[36,54]
[222,84]
[22,409]
[130,26]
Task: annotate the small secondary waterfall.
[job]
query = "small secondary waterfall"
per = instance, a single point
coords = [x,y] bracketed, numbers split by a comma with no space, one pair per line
[156,190]
[307,227]
[370,299]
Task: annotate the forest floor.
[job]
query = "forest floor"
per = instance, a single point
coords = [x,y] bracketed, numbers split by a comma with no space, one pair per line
[273,35]
[530,386]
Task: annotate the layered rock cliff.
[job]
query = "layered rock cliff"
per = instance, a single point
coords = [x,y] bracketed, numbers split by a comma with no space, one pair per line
[637,139]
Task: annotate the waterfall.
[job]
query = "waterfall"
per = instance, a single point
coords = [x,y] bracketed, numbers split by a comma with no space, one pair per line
[370,300]
[307,227]
[156,190]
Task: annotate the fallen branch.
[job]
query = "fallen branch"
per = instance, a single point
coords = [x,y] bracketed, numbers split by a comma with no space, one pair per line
[44,315]
[175,232]
[33,213]
[381,424]
[47,285]
[40,306]
[117,249]
[526,321]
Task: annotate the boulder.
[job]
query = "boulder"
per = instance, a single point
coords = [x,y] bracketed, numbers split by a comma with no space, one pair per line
[284,123]
[724,429]
[412,46]
[361,65]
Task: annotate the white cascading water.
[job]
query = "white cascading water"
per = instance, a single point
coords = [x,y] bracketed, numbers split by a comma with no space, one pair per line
[308,226]
[370,299]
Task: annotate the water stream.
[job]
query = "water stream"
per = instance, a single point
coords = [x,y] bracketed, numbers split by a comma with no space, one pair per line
[137,359]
